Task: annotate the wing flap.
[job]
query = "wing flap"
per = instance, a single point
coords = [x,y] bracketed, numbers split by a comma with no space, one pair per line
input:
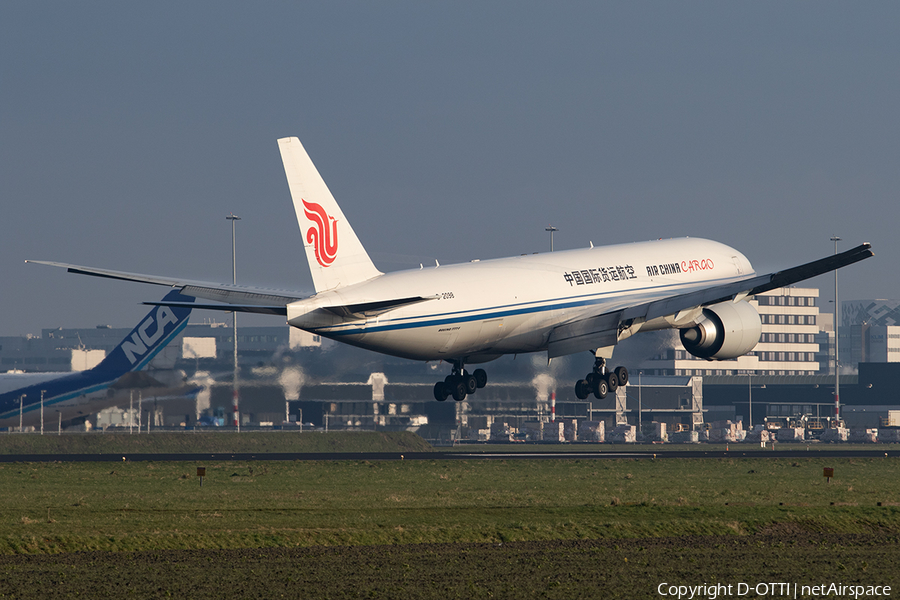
[585,334]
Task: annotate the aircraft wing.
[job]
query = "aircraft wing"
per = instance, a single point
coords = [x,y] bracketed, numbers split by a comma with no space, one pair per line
[597,331]
[247,299]
[236,298]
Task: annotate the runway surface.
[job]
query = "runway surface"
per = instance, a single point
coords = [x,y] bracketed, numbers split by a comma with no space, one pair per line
[799,452]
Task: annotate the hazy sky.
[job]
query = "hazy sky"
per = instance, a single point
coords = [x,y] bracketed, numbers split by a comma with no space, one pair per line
[128,131]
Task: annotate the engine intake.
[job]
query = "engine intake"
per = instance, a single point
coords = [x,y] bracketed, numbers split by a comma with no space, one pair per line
[728,330]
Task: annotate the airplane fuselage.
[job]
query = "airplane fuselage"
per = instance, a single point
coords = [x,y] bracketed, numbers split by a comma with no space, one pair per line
[483,309]
[66,393]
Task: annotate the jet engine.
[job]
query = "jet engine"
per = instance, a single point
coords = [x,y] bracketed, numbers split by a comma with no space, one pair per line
[727,330]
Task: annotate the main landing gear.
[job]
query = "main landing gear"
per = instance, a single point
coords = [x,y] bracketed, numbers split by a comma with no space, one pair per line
[600,382]
[459,383]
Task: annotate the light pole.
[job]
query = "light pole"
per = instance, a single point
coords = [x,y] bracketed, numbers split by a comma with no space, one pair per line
[837,337]
[750,399]
[640,407]
[551,229]
[42,411]
[237,415]
[21,398]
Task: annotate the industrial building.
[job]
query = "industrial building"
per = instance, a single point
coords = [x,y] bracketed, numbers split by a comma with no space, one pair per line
[870,331]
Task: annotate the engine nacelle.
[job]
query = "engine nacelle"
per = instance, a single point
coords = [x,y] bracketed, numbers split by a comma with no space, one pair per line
[728,330]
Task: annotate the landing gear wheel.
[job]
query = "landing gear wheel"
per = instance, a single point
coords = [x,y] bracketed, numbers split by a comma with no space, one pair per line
[590,377]
[480,378]
[621,375]
[470,382]
[582,389]
[459,383]
[612,381]
[601,388]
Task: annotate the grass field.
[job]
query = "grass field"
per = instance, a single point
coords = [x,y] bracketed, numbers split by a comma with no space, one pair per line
[66,507]
[460,528]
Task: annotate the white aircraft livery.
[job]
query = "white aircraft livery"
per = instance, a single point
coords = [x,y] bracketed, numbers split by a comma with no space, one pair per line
[76,395]
[560,302]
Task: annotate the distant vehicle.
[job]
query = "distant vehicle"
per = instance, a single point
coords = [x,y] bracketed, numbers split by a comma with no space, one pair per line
[215,419]
[110,383]
[559,303]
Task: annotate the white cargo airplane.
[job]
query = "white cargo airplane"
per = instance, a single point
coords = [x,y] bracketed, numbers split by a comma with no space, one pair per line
[560,303]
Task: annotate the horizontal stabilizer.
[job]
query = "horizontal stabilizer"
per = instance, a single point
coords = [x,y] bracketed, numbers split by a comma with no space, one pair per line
[371,309]
[365,309]
[249,308]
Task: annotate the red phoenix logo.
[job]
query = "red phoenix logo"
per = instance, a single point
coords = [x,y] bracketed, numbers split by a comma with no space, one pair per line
[321,236]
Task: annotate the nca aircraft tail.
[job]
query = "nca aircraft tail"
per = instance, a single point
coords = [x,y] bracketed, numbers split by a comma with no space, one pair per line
[83,392]
[336,256]
[150,336]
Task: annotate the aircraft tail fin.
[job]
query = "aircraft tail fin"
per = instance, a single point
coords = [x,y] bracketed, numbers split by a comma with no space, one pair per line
[336,256]
[149,337]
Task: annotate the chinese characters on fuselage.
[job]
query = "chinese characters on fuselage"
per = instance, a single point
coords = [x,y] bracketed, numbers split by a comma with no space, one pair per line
[623,273]
[600,275]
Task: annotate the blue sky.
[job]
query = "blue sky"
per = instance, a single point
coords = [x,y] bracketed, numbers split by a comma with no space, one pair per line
[128,131]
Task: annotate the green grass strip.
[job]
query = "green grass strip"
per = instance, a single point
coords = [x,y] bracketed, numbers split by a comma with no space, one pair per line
[66,507]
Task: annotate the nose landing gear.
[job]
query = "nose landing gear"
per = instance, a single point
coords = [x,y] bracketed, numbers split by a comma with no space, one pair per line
[459,383]
[600,381]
